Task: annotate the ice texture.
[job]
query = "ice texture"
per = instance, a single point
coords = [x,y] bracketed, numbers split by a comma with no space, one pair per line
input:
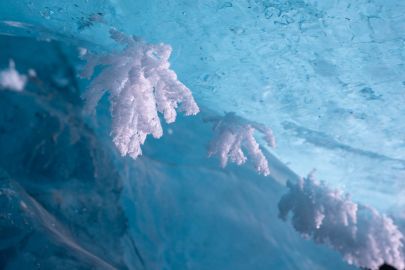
[335,69]
[59,188]
[326,76]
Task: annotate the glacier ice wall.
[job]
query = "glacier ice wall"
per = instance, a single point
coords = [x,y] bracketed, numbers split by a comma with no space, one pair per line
[326,76]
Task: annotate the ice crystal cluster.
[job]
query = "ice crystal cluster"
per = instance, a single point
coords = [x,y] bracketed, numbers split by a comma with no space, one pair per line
[363,236]
[141,84]
[233,135]
[10,79]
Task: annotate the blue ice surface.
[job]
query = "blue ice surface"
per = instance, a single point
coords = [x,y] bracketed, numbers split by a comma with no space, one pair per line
[327,76]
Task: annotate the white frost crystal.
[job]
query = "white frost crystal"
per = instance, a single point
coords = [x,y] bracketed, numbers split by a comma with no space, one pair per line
[140,84]
[12,80]
[232,135]
[363,236]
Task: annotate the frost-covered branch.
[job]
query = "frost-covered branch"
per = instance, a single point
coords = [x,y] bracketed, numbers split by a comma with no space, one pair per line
[12,80]
[233,135]
[141,84]
[363,236]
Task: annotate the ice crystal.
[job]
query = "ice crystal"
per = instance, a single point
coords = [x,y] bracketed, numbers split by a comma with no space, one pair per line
[12,80]
[233,135]
[141,84]
[363,236]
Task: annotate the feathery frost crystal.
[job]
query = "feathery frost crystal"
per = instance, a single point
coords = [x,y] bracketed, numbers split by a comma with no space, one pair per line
[12,80]
[232,134]
[363,236]
[141,84]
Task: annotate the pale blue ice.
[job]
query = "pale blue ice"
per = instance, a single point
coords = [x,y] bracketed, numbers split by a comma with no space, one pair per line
[327,76]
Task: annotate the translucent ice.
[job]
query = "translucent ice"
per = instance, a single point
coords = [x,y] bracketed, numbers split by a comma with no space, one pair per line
[326,76]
